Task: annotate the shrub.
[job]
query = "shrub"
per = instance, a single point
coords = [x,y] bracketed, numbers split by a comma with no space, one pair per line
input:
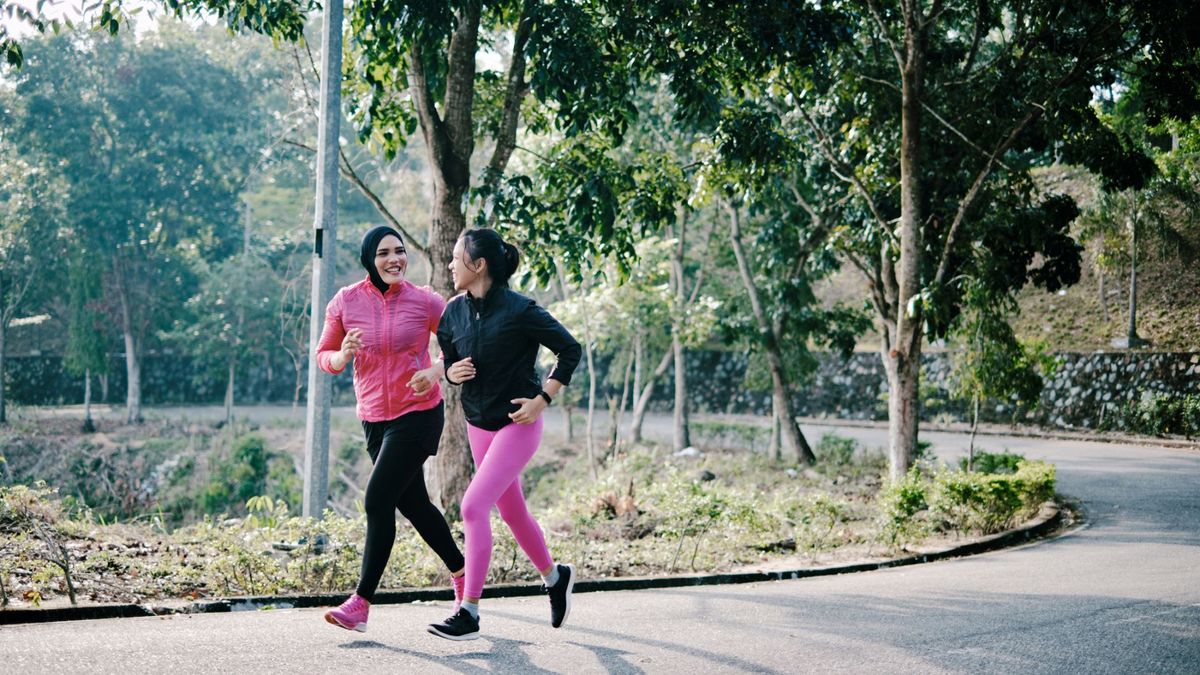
[994,462]
[836,450]
[1159,414]
[899,503]
[989,503]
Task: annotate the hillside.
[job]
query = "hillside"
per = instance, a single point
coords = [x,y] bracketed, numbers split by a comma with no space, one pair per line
[1073,319]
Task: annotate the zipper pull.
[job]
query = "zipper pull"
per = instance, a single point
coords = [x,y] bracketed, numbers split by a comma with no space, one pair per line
[476,315]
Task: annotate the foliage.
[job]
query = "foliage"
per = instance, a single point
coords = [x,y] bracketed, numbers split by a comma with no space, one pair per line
[989,503]
[1159,414]
[87,337]
[962,501]
[34,529]
[650,512]
[153,142]
[992,363]
[234,480]
[237,303]
[900,502]
[995,462]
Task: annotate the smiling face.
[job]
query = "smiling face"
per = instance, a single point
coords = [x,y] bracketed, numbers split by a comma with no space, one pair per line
[463,270]
[391,260]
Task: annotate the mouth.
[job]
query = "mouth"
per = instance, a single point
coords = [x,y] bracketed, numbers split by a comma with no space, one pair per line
[393,270]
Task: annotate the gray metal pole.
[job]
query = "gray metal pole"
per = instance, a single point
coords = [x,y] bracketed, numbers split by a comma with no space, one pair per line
[316,433]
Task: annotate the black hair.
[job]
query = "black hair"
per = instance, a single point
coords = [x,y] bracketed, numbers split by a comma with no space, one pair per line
[370,245]
[486,244]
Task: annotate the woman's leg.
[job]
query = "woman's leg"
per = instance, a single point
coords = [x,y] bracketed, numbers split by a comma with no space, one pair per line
[414,503]
[500,456]
[511,503]
[398,463]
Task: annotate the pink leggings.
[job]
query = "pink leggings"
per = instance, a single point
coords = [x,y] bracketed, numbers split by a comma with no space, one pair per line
[500,456]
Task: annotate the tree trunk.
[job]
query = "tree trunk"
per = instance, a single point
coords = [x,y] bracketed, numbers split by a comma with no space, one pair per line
[133,366]
[104,387]
[1132,335]
[568,412]
[793,438]
[974,429]
[88,424]
[617,408]
[590,438]
[639,360]
[229,392]
[681,436]
[133,376]
[3,366]
[643,399]
[776,448]
[902,348]
[298,385]
[902,375]
[449,142]
[454,465]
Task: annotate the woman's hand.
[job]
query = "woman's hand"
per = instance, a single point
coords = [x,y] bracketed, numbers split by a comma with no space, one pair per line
[423,381]
[350,346]
[529,411]
[461,371]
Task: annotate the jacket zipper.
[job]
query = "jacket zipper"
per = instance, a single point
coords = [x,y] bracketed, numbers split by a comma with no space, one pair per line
[386,349]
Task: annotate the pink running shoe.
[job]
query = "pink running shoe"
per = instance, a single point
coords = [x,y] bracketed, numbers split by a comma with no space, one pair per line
[460,585]
[351,614]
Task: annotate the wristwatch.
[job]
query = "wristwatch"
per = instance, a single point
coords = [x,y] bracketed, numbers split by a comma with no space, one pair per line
[546,396]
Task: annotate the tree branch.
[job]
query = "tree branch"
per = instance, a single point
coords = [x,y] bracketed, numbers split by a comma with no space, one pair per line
[460,81]
[1036,110]
[517,89]
[877,15]
[875,284]
[351,175]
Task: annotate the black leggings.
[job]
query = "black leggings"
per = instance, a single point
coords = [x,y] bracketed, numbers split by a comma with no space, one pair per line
[398,449]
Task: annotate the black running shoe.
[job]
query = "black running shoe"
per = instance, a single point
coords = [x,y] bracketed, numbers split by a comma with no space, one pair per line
[560,595]
[461,626]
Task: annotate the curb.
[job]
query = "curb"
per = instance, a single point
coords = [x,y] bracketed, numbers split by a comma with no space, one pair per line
[1177,443]
[1048,519]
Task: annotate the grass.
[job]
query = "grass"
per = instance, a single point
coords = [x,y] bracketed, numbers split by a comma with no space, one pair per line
[649,512]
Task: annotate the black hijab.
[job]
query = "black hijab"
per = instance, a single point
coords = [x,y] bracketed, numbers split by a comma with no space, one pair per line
[370,244]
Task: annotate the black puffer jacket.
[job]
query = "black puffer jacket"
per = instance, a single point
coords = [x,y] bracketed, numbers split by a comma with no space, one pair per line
[502,333]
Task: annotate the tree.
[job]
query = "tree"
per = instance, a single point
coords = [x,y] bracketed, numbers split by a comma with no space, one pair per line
[230,316]
[87,339]
[782,244]
[154,142]
[928,116]
[28,238]
[621,318]
[1157,218]
[992,363]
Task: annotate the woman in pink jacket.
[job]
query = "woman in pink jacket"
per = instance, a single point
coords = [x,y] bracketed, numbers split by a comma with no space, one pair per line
[382,324]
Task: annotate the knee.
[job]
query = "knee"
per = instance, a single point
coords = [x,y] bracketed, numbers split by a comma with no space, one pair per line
[378,506]
[474,509]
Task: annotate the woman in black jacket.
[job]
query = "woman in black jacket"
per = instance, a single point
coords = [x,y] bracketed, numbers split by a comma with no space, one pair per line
[490,336]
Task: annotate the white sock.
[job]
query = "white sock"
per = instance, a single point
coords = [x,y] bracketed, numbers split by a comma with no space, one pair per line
[472,607]
[552,578]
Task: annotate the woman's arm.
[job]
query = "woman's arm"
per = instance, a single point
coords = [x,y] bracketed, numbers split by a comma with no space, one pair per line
[540,326]
[445,338]
[332,355]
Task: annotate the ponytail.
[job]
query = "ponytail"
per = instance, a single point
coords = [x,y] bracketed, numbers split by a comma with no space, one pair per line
[502,257]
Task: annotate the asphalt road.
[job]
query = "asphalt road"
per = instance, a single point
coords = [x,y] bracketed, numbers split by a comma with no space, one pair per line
[1121,594]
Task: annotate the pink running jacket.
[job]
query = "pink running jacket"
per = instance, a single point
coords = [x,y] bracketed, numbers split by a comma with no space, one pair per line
[395,344]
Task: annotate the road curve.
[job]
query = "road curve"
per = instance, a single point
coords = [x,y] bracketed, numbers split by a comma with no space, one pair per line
[1120,594]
